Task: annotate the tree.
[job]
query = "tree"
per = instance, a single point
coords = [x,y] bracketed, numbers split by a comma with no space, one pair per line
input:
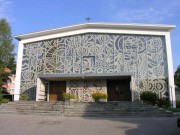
[6,53]
[177,76]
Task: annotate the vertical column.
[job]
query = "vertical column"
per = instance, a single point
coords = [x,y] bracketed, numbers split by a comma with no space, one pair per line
[38,88]
[131,88]
[18,71]
[170,71]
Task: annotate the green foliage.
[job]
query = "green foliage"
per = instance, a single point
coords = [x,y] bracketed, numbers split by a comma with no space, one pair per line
[6,45]
[177,76]
[68,96]
[6,53]
[1,95]
[173,109]
[149,97]
[12,65]
[4,100]
[99,95]
[177,103]
[23,97]
[163,102]
[177,109]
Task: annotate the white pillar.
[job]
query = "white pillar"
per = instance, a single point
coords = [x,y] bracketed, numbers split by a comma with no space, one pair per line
[38,88]
[18,72]
[170,71]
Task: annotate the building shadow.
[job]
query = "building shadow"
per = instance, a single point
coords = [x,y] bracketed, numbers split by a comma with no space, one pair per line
[135,125]
[143,126]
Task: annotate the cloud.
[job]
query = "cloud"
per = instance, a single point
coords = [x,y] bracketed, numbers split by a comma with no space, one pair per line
[143,12]
[144,15]
[5,9]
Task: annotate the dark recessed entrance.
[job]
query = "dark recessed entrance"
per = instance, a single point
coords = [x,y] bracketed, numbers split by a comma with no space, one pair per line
[119,90]
[56,89]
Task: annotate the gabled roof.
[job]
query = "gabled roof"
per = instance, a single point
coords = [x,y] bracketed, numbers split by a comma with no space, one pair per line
[115,26]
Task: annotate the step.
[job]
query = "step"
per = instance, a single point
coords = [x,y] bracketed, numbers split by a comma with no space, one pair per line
[77,109]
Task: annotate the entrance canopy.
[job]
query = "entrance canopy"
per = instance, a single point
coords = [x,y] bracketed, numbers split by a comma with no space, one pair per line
[62,77]
[81,88]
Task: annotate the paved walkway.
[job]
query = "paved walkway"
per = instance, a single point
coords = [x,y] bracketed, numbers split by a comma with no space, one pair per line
[54,125]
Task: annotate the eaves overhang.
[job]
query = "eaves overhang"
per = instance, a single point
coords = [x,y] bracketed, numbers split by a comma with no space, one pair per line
[55,77]
[108,26]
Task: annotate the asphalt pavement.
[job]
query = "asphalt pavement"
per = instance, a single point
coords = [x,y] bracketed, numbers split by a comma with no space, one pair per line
[55,125]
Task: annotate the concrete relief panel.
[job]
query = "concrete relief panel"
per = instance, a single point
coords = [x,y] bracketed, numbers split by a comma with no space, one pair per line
[84,89]
[142,55]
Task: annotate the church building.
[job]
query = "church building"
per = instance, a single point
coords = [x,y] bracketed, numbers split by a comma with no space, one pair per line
[121,60]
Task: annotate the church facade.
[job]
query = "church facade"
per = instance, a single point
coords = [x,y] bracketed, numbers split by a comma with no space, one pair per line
[121,60]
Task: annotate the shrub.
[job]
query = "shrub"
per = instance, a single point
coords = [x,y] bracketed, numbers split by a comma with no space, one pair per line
[149,97]
[173,109]
[163,102]
[1,95]
[99,95]
[4,100]
[68,96]
[23,97]
[177,103]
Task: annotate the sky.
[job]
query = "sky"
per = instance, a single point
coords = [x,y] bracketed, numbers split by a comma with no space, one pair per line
[25,16]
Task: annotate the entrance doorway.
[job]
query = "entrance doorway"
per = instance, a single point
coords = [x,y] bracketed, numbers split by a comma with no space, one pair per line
[119,90]
[56,89]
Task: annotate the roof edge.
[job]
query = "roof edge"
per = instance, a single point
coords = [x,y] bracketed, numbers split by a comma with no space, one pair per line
[160,27]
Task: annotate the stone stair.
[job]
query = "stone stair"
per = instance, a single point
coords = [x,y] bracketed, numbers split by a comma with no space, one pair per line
[78,109]
[8,108]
